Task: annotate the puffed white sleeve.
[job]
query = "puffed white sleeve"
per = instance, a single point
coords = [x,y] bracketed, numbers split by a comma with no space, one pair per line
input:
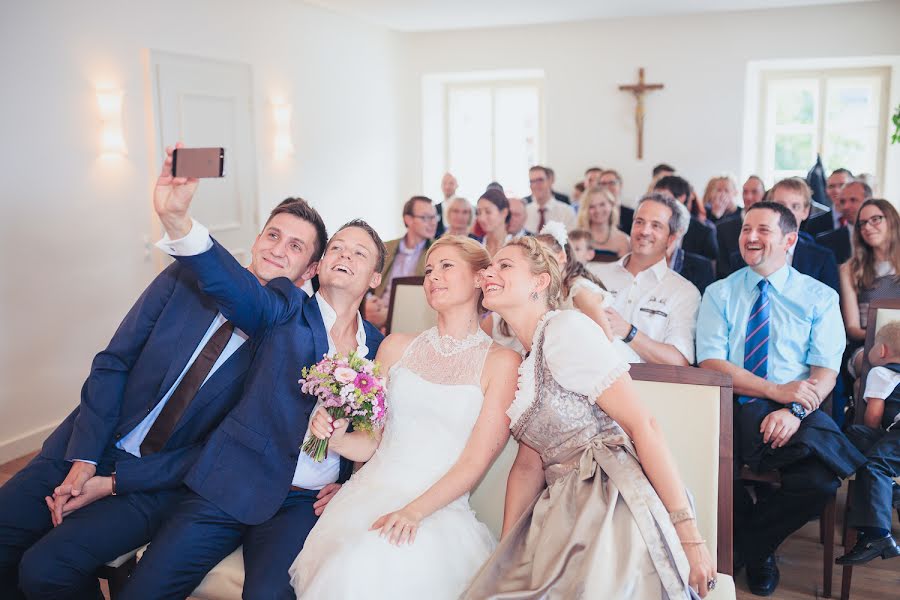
[580,356]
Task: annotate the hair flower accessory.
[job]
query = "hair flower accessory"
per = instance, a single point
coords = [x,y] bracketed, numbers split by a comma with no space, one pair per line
[557,230]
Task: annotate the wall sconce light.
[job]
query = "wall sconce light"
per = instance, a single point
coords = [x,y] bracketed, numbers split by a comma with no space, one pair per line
[281,114]
[112,140]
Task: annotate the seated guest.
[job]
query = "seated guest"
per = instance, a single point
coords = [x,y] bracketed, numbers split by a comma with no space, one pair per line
[448,189]
[729,230]
[805,255]
[545,207]
[719,199]
[839,241]
[592,177]
[612,181]
[700,238]
[598,213]
[582,244]
[836,182]
[551,177]
[659,171]
[778,334]
[879,438]
[580,290]
[516,225]
[108,476]
[405,256]
[872,273]
[654,308]
[577,191]
[492,214]
[459,216]
[693,267]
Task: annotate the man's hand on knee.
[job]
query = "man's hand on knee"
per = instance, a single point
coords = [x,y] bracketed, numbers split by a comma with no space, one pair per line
[72,486]
[93,489]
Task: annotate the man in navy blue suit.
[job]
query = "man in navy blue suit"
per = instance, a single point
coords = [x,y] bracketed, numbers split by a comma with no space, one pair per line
[251,485]
[109,474]
[806,256]
[852,195]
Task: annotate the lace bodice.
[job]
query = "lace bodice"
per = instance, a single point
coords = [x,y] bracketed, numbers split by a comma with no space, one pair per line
[445,360]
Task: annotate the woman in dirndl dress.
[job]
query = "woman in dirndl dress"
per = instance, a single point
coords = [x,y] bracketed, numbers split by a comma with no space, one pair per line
[594,504]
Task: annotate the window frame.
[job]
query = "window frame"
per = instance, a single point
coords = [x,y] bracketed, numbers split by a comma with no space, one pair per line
[765,159]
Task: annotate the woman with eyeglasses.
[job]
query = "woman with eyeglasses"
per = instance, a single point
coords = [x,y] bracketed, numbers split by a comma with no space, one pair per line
[872,273]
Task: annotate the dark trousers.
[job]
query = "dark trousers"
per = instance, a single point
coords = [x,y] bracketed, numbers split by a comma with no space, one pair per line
[40,561]
[870,505]
[198,535]
[806,485]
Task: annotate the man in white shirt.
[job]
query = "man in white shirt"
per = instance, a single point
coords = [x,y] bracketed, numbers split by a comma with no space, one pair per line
[545,207]
[654,311]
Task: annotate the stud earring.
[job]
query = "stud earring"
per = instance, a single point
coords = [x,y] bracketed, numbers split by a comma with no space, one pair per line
[534,296]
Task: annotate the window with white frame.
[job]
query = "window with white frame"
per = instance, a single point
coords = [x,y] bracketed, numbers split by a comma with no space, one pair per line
[838,114]
[493,132]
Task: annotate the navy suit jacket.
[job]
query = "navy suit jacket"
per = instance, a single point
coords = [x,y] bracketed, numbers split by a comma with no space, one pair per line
[838,241]
[728,233]
[626,217]
[701,239]
[695,268]
[810,259]
[820,223]
[128,379]
[248,465]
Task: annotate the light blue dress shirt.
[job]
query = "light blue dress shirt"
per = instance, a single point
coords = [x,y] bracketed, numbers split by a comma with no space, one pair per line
[806,327]
[131,443]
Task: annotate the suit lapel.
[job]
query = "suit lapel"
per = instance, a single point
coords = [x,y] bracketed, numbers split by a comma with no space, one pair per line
[317,326]
[193,325]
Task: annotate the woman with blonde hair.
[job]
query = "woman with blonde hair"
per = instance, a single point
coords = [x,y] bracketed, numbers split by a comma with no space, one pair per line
[402,524]
[594,504]
[719,198]
[460,216]
[873,272]
[599,214]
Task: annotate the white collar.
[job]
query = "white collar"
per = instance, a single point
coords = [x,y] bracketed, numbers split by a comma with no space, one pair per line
[329,318]
[658,269]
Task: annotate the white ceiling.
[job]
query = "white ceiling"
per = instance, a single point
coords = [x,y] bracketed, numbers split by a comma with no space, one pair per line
[430,15]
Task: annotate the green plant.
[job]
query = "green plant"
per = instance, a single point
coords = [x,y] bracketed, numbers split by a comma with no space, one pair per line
[895,139]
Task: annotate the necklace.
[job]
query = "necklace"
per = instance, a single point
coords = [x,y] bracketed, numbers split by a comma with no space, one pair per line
[447,345]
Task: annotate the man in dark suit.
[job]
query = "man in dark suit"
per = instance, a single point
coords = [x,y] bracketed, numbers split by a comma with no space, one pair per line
[700,238]
[694,268]
[551,175]
[114,468]
[252,486]
[806,256]
[852,195]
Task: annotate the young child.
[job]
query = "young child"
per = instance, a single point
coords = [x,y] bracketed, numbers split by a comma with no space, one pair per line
[583,244]
[871,501]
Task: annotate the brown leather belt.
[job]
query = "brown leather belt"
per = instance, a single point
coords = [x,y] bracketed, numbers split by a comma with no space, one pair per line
[294,488]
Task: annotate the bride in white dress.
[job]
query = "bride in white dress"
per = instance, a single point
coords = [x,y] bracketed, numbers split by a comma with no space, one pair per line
[402,528]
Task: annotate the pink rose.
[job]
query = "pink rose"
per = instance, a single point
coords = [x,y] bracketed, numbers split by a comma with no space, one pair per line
[344,374]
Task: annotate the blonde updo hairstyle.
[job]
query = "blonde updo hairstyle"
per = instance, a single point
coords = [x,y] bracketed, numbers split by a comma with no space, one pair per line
[472,252]
[542,261]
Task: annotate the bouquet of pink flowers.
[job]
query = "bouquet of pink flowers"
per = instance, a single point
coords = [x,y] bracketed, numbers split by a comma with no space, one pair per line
[349,388]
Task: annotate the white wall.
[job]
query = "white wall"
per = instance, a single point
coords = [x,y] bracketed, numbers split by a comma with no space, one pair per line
[695,123]
[73,226]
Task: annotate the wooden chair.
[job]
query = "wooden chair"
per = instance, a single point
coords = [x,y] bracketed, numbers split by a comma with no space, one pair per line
[880,312]
[408,312]
[694,409]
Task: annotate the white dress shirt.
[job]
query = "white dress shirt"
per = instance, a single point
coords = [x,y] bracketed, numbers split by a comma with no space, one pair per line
[556,211]
[309,474]
[661,303]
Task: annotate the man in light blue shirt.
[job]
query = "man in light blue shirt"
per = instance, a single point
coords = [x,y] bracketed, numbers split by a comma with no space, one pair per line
[780,336]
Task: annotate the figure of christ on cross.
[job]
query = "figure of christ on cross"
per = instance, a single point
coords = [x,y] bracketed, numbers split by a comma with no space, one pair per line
[639,90]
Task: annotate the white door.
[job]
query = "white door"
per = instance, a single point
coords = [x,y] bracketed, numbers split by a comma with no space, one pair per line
[208,103]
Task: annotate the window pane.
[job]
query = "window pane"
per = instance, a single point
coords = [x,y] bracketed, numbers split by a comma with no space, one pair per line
[854,149]
[852,112]
[516,130]
[794,151]
[469,135]
[794,102]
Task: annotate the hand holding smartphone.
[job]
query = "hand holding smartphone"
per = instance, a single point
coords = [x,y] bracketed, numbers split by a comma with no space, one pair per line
[196,163]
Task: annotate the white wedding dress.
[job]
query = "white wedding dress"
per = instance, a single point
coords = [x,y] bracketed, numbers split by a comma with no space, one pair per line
[433,400]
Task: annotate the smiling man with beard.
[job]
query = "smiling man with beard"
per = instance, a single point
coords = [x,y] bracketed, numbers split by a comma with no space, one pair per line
[654,308]
[251,486]
[780,336]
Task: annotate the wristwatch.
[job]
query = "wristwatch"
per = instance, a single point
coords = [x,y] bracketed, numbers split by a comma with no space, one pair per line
[797,410]
[627,339]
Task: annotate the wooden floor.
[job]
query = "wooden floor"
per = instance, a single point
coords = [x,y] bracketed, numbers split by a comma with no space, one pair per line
[799,559]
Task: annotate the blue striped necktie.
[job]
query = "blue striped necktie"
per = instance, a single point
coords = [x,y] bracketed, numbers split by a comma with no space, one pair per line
[756,344]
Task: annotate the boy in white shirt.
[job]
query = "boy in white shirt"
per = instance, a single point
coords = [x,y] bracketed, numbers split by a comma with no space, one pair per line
[879,439]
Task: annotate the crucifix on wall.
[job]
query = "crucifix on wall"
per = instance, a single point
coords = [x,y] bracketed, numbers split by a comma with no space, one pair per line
[639,89]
